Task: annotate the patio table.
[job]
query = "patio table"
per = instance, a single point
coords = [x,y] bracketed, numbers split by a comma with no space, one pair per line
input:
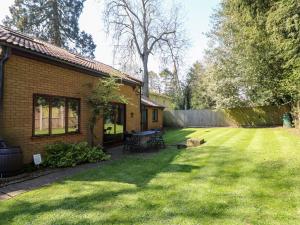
[144,140]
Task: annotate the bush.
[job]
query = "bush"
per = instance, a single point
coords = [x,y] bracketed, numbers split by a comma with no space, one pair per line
[67,155]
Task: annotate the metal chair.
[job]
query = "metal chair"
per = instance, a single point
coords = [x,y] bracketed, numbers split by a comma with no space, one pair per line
[130,142]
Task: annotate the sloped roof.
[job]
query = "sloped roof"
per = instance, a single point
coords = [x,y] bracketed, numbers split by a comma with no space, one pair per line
[147,102]
[19,40]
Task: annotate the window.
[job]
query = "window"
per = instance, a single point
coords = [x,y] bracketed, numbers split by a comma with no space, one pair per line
[55,115]
[73,115]
[155,115]
[58,115]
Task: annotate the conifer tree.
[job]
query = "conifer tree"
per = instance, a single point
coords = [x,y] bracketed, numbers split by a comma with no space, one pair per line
[55,21]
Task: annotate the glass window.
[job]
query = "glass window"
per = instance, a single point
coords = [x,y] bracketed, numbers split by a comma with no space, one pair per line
[41,116]
[58,109]
[55,115]
[155,115]
[73,115]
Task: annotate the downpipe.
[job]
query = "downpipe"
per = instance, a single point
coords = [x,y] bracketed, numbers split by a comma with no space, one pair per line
[4,55]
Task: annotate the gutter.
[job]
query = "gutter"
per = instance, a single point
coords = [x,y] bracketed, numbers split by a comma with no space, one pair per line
[4,55]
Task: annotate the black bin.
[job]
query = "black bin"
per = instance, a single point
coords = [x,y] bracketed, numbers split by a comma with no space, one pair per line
[11,160]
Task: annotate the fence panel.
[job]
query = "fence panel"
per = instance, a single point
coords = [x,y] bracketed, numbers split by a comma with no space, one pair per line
[238,117]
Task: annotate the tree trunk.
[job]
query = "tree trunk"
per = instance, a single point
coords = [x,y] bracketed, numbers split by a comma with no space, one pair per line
[56,32]
[146,77]
[92,135]
[298,114]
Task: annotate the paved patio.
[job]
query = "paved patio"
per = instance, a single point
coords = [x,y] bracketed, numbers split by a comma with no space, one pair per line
[17,188]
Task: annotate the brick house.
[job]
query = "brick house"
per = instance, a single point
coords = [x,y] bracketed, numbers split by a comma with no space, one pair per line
[152,114]
[43,90]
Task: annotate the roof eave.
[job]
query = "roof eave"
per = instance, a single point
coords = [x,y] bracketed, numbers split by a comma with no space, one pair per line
[153,106]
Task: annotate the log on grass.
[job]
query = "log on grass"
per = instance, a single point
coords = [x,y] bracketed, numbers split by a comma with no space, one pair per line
[192,142]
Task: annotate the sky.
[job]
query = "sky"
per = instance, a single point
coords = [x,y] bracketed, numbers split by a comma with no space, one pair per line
[197,14]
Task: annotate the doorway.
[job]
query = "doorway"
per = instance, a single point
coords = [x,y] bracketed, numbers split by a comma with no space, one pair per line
[144,118]
[114,124]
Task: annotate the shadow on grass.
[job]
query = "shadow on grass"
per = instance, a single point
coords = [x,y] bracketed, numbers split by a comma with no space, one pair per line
[132,176]
[174,136]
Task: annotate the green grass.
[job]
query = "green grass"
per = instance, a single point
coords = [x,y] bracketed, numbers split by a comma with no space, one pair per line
[240,176]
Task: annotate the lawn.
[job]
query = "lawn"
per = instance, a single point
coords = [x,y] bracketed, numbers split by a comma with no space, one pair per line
[240,176]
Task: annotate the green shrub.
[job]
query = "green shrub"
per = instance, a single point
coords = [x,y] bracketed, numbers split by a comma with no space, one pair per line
[66,155]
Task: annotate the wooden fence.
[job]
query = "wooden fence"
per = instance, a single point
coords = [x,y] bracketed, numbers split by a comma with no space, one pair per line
[236,117]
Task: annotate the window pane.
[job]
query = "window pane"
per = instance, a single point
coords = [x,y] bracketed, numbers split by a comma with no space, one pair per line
[41,116]
[154,115]
[73,115]
[58,116]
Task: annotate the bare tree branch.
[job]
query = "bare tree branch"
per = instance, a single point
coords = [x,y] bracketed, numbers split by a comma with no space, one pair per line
[143,26]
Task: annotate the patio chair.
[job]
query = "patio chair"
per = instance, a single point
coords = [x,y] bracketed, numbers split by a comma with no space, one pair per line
[160,140]
[156,141]
[129,142]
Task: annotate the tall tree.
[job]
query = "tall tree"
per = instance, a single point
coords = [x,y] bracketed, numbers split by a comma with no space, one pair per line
[251,44]
[283,26]
[52,20]
[144,27]
[171,88]
[195,89]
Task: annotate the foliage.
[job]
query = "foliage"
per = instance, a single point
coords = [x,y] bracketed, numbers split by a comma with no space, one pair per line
[283,25]
[195,88]
[103,93]
[144,27]
[67,155]
[52,20]
[172,87]
[253,58]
